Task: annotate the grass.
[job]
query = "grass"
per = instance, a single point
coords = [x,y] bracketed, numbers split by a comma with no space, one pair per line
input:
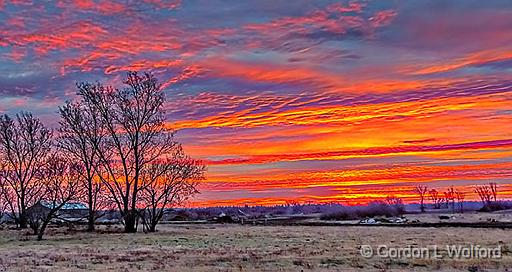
[240,248]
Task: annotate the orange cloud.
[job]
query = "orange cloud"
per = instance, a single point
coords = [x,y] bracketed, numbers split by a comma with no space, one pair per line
[358,177]
[346,114]
[375,151]
[477,58]
[355,186]
[70,36]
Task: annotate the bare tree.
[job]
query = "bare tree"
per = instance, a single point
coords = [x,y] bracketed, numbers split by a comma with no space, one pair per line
[436,198]
[168,183]
[396,203]
[60,183]
[494,190]
[421,190]
[449,196]
[487,193]
[80,131]
[460,198]
[24,145]
[136,136]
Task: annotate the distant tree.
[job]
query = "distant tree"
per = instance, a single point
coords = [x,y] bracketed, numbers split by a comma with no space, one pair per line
[436,198]
[460,198]
[168,183]
[60,183]
[136,137]
[494,190]
[24,146]
[421,190]
[450,196]
[396,203]
[392,200]
[487,193]
[292,202]
[79,133]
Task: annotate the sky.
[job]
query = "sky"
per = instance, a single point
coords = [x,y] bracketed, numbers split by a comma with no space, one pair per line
[290,101]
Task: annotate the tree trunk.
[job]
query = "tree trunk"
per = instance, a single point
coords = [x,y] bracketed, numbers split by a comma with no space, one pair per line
[40,233]
[90,199]
[90,222]
[34,229]
[23,220]
[152,227]
[129,222]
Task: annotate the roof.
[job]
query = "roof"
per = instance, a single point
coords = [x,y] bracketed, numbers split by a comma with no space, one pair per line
[67,206]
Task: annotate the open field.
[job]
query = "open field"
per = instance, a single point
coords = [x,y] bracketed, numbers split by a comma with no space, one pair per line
[232,247]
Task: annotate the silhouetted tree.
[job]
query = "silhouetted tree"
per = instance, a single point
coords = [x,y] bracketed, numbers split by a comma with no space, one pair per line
[494,190]
[460,198]
[24,145]
[450,196]
[80,131]
[136,136]
[421,190]
[168,183]
[396,203]
[436,198]
[59,179]
[487,193]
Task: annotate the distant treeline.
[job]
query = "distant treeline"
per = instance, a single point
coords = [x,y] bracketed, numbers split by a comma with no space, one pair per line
[326,211]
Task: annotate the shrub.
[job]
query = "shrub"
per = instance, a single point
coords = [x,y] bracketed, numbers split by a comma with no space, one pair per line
[496,206]
[376,208]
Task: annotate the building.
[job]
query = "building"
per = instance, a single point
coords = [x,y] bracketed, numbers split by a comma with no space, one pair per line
[72,211]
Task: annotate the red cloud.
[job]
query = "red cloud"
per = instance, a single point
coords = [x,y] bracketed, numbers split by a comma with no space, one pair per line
[383,18]
[102,7]
[472,59]
[375,151]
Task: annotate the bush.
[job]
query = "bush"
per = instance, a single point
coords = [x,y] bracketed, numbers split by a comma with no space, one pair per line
[376,208]
[496,206]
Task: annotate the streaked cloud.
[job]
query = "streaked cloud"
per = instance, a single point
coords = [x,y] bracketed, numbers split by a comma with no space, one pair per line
[306,101]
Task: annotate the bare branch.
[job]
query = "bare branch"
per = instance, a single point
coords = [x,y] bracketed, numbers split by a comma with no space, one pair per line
[24,145]
[59,179]
[134,138]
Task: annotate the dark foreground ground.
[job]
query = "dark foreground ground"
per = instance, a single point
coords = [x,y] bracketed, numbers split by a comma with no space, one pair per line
[234,247]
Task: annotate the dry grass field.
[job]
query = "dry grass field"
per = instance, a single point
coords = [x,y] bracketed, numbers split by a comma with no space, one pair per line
[243,248]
